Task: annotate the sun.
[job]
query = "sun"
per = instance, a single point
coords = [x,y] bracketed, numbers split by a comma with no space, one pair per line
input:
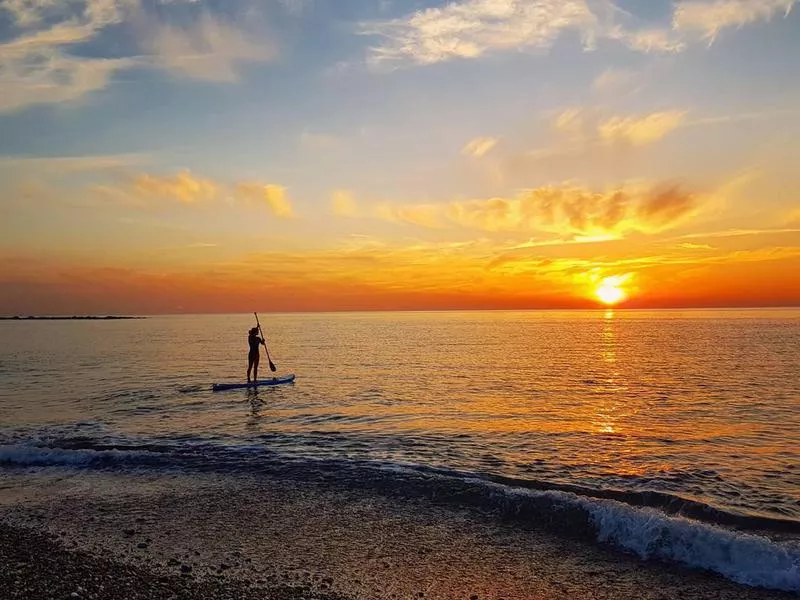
[610,291]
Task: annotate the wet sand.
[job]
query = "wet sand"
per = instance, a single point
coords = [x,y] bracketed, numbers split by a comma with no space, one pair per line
[33,566]
[211,537]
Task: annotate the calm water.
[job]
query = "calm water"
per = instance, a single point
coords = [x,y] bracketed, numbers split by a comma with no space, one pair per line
[696,413]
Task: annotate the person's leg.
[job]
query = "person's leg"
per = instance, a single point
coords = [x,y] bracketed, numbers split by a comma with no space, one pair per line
[249,367]
[255,368]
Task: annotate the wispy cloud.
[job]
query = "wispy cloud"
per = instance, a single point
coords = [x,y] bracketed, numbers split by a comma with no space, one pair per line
[471,28]
[36,67]
[210,48]
[424,215]
[612,80]
[479,146]
[44,62]
[583,135]
[653,39]
[710,17]
[273,196]
[569,212]
[701,20]
[640,130]
[376,275]
[742,117]
[739,233]
[187,188]
[692,246]
[591,126]
[183,187]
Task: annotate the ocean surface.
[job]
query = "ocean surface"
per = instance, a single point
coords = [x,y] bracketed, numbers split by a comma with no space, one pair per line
[671,434]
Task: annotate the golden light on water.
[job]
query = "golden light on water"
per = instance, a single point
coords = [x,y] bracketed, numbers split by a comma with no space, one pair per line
[610,290]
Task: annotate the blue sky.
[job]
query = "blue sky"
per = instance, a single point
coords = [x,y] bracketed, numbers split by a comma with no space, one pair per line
[133,124]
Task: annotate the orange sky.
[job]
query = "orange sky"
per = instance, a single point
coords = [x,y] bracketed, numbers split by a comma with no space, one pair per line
[387,157]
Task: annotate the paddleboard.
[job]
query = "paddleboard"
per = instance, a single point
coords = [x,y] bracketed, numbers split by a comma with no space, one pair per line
[221,387]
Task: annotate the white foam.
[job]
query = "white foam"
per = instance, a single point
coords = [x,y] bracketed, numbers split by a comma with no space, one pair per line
[744,558]
[43,457]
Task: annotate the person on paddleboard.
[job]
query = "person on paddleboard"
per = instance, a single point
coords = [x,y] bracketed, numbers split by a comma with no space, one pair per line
[253,357]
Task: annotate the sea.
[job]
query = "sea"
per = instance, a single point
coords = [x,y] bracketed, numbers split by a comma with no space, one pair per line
[670,435]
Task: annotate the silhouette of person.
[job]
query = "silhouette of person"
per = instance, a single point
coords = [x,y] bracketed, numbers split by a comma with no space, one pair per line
[254,356]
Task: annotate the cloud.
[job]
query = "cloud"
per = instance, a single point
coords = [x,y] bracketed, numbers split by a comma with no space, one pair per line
[35,67]
[79,14]
[701,20]
[479,146]
[664,207]
[728,233]
[343,203]
[653,40]
[691,246]
[424,215]
[474,28]
[210,49]
[43,61]
[569,212]
[744,117]
[373,275]
[590,126]
[184,187]
[579,137]
[274,196]
[471,28]
[612,80]
[570,120]
[640,130]
[711,17]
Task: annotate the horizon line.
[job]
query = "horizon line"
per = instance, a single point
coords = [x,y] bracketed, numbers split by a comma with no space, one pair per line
[604,309]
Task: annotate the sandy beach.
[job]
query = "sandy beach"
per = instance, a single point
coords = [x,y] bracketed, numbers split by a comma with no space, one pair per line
[33,565]
[103,536]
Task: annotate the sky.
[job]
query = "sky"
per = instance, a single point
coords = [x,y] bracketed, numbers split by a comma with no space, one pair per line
[169,156]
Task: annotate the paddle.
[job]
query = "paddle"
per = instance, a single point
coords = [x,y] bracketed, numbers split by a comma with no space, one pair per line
[272,366]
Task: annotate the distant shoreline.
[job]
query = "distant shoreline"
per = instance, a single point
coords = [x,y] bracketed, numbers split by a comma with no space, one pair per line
[73,318]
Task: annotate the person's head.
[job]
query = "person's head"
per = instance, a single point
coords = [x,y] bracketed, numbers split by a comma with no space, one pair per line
[254,331]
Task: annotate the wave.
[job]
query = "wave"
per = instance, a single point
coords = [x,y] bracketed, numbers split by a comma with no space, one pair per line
[745,558]
[633,521]
[33,456]
[672,504]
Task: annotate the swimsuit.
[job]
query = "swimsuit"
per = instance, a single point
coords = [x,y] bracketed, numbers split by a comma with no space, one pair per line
[254,342]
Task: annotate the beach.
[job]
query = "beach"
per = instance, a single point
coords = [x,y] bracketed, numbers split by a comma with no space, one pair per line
[531,455]
[263,538]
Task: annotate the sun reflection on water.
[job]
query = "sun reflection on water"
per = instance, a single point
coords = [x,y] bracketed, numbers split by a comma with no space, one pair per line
[612,384]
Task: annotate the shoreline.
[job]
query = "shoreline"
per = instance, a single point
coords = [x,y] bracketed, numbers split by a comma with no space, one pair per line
[271,537]
[71,318]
